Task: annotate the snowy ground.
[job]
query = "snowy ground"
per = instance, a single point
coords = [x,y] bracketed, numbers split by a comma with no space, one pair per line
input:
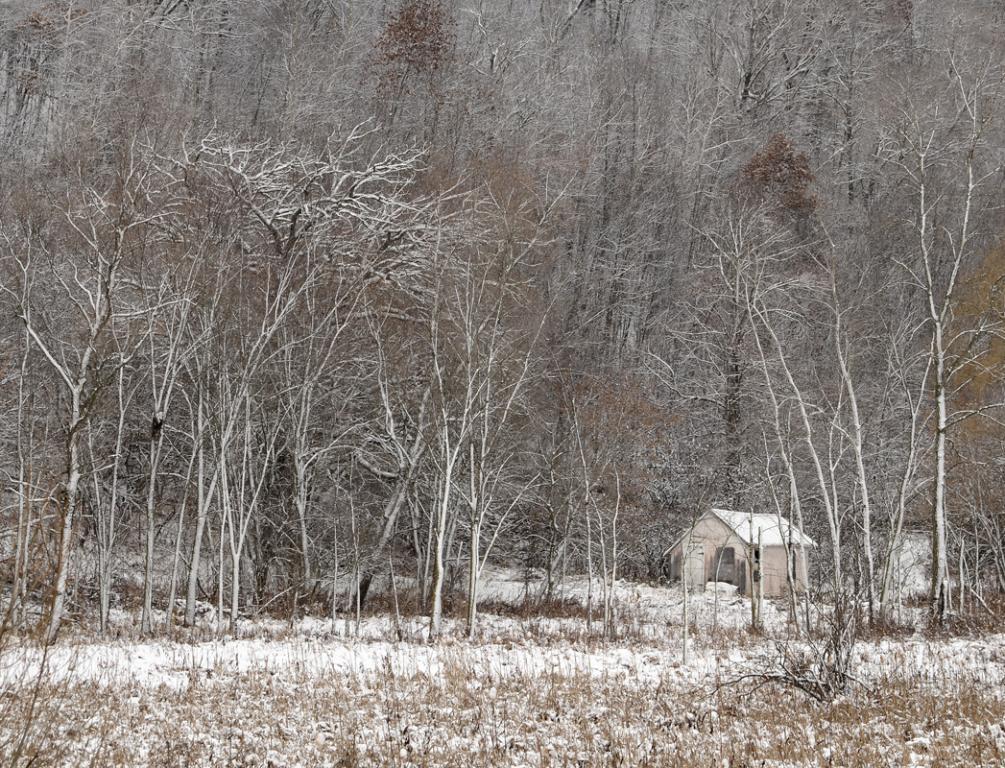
[534,692]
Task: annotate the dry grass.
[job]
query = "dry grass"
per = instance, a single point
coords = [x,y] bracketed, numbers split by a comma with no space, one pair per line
[465,716]
[32,707]
[922,701]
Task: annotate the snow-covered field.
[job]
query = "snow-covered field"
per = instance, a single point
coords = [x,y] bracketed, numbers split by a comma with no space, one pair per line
[526,692]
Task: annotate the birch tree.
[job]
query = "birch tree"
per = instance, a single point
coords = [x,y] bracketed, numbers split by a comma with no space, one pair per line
[107,229]
[946,160]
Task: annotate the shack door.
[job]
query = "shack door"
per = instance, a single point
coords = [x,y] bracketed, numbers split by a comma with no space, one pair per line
[724,566]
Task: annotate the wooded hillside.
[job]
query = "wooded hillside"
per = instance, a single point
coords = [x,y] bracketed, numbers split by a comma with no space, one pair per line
[300,291]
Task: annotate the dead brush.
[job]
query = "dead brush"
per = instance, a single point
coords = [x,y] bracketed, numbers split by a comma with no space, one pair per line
[543,608]
[33,702]
[980,618]
[885,628]
[819,665]
[462,707]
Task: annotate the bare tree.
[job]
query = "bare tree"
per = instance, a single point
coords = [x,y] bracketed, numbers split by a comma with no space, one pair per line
[947,163]
[107,229]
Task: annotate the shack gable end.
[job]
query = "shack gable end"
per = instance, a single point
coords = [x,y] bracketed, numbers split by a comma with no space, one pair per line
[708,534]
[698,548]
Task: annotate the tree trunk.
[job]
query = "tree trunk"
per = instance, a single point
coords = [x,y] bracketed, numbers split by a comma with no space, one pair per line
[475,548]
[940,563]
[58,595]
[863,479]
[154,446]
[235,587]
[436,611]
[201,515]
[684,585]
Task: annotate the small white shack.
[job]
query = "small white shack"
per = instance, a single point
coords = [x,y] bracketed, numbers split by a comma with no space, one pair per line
[723,546]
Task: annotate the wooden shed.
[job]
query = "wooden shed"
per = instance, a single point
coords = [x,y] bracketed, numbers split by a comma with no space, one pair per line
[723,545]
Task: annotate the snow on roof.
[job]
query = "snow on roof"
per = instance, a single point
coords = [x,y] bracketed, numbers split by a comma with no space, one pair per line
[773,530]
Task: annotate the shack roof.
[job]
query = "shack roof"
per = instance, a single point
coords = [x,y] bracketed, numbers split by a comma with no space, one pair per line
[771,530]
